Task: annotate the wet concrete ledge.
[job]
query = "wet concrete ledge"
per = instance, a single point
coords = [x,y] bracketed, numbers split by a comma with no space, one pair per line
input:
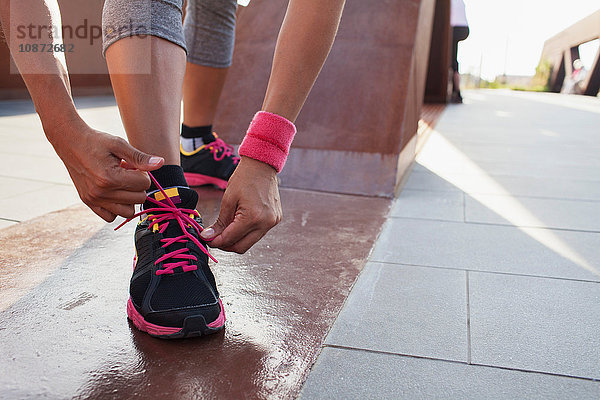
[64,287]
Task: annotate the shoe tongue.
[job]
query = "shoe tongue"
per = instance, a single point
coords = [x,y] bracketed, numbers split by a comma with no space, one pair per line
[182,197]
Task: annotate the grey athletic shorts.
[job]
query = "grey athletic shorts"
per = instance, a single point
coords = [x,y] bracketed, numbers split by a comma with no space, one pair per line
[207,34]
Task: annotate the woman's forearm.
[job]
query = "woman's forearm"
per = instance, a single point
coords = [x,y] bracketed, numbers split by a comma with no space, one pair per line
[304,41]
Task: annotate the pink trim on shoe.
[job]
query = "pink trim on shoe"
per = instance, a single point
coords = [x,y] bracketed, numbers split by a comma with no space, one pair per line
[194,179]
[268,139]
[220,321]
[144,326]
[158,330]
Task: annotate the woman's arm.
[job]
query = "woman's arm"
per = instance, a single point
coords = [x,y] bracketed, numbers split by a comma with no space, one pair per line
[251,205]
[92,158]
[306,36]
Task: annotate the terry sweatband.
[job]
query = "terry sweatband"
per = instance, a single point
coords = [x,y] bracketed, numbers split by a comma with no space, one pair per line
[268,139]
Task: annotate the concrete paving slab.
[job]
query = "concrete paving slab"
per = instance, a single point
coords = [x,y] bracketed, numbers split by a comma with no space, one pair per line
[5,223]
[510,168]
[14,144]
[423,179]
[519,117]
[579,156]
[537,324]
[26,125]
[23,166]
[540,213]
[18,119]
[105,118]
[16,187]
[36,203]
[447,159]
[447,206]
[534,135]
[507,249]
[386,311]
[558,188]
[281,298]
[357,374]
[523,122]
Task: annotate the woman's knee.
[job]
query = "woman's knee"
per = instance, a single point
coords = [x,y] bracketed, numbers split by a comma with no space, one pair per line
[125,18]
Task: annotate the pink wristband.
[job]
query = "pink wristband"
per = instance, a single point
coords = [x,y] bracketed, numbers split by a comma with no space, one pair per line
[268,139]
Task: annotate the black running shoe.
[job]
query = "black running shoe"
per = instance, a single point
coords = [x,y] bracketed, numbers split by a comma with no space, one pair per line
[210,164]
[173,293]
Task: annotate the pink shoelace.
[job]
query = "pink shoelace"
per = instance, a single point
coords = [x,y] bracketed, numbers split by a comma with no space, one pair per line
[225,150]
[181,215]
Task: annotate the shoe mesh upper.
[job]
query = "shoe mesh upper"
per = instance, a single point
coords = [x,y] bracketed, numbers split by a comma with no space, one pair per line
[204,163]
[181,290]
[138,287]
[171,278]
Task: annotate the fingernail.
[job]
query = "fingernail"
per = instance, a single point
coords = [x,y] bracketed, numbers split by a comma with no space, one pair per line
[207,233]
[154,160]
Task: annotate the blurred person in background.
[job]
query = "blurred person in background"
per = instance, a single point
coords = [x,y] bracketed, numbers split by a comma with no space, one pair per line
[574,84]
[460,31]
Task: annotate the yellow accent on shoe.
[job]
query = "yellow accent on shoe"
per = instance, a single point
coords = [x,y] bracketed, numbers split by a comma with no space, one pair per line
[190,153]
[171,192]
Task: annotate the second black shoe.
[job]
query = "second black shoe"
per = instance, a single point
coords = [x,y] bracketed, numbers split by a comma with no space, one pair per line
[210,164]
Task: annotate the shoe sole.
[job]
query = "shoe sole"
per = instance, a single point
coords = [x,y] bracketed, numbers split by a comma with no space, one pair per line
[201,180]
[192,326]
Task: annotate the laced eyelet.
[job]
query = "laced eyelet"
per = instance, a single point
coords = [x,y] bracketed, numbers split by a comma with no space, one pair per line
[160,222]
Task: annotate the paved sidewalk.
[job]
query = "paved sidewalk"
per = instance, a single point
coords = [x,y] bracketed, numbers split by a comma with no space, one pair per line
[65,276]
[485,282]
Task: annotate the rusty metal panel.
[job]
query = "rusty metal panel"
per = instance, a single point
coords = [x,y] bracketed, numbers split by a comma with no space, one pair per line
[366,100]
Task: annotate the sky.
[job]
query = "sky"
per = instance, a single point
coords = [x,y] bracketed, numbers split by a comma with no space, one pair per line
[508,36]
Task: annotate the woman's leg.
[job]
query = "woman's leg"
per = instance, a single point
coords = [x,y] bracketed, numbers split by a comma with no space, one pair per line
[209,33]
[150,104]
[201,92]
[147,66]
